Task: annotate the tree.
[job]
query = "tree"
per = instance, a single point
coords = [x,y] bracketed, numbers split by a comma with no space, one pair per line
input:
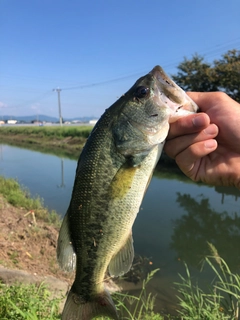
[222,75]
[227,74]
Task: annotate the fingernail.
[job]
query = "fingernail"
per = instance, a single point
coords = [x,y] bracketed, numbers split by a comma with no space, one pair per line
[211,130]
[210,144]
[199,121]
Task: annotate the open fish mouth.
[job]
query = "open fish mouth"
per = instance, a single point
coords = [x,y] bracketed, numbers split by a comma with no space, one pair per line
[172,95]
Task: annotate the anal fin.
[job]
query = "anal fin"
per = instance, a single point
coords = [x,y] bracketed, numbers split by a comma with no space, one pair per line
[65,252]
[122,261]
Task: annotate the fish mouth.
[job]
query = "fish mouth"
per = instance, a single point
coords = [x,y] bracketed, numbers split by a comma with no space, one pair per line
[172,95]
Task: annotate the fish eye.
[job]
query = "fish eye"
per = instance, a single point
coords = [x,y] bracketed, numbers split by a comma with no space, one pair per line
[141,92]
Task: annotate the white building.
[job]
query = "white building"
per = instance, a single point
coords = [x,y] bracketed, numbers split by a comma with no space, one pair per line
[11,121]
[93,122]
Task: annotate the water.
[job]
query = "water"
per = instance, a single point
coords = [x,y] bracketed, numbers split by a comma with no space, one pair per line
[176,219]
[45,175]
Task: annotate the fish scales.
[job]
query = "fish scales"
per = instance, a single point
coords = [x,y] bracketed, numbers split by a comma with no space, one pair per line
[112,176]
[104,182]
[91,202]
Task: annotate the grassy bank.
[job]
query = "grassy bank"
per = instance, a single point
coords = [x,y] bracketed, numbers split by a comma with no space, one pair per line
[18,196]
[28,232]
[67,139]
[48,131]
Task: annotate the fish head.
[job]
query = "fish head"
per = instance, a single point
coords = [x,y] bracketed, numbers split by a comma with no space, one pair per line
[147,110]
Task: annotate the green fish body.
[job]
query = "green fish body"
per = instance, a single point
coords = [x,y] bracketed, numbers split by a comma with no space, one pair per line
[112,176]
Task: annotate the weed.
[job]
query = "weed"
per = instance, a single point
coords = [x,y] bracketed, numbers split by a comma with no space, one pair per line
[31,302]
[222,300]
[136,308]
[14,256]
[27,302]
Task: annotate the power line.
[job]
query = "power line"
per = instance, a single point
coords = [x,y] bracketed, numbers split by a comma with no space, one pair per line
[104,82]
[171,64]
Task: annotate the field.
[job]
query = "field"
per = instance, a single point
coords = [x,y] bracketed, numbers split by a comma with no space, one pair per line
[48,131]
[69,140]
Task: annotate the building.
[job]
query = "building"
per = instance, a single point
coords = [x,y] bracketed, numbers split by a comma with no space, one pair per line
[11,121]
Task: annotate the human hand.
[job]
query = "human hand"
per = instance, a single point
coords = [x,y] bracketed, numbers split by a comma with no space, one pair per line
[206,145]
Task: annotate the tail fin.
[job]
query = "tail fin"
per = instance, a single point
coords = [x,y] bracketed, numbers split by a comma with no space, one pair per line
[101,305]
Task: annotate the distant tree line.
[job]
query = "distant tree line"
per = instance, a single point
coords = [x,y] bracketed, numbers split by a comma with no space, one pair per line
[221,75]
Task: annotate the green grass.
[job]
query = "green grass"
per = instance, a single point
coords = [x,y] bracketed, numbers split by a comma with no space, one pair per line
[140,307]
[137,307]
[33,302]
[17,195]
[20,197]
[48,131]
[222,299]
[27,302]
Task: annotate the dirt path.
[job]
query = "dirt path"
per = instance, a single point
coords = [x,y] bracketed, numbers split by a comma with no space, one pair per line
[28,244]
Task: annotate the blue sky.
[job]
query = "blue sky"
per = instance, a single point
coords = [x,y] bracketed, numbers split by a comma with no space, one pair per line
[94,50]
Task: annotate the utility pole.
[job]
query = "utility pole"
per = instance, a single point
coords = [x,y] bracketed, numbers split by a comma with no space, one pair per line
[59,105]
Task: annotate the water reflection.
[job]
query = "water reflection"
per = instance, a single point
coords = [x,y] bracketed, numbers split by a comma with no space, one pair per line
[46,149]
[228,191]
[62,185]
[203,224]
[48,176]
[1,152]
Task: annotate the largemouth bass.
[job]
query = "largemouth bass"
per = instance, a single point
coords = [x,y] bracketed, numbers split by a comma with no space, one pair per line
[113,173]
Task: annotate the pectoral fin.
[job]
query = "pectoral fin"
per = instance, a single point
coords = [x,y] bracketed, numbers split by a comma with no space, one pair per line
[65,252]
[122,261]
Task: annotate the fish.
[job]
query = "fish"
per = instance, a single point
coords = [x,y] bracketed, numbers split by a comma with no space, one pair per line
[113,173]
